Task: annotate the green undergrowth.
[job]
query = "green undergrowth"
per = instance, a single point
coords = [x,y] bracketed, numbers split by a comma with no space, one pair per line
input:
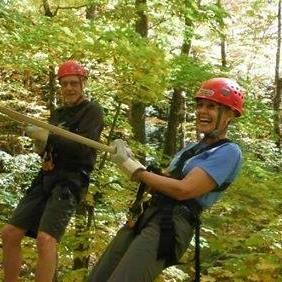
[240,235]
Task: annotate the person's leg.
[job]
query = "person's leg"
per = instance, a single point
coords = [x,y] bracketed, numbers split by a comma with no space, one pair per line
[58,210]
[24,220]
[47,257]
[112,256]
[11,238]
[116,250]
[140,262]
[183,231]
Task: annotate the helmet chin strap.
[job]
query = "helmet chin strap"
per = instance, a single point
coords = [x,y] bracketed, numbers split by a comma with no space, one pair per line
[216,132]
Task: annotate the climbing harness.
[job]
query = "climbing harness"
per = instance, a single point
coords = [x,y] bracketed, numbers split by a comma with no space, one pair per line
[166,248]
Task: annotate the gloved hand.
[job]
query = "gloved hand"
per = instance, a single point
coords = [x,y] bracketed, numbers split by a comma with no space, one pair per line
[123,158]
[37,133]
[39,147]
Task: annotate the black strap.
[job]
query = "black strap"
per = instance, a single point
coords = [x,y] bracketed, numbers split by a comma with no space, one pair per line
[137,208]
[166,248]
[167,241]
[191,152]
[197,277]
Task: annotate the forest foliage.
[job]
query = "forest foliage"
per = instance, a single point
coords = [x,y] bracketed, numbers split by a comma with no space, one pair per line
[241,235]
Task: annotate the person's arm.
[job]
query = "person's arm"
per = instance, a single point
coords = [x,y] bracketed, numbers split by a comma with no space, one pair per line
[207,174]
[196,183]
[39,136]
[90,126]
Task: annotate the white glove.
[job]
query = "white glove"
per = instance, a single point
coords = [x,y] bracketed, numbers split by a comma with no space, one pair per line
[123,158]
[37,133]
[39,147]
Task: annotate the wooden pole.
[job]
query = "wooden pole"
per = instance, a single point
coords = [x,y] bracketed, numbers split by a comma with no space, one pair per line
[56,130]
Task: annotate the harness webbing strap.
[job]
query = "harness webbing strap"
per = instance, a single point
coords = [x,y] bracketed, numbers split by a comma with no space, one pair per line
[192,152]
[137,207]
[192,204]
[197,251]
[166,248]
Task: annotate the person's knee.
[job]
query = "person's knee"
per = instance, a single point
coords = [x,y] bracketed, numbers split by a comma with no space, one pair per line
[11,234]
[45,242]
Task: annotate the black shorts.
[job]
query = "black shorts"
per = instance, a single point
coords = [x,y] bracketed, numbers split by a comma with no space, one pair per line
[50,202]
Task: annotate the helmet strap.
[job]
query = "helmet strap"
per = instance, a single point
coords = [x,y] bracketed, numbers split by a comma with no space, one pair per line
[216,132]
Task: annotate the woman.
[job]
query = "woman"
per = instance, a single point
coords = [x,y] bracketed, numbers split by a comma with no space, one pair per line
[195,180]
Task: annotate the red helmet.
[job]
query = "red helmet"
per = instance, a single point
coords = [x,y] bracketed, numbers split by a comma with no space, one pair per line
[71,67]
[223,91]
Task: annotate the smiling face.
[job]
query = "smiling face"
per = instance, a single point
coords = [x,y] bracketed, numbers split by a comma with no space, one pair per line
[211,117]
[72,90]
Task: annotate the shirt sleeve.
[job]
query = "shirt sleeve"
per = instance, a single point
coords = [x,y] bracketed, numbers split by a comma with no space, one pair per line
[222,163]
[90,126]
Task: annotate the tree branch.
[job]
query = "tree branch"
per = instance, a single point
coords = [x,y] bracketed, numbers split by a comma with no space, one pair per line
[69,8]
[47,10]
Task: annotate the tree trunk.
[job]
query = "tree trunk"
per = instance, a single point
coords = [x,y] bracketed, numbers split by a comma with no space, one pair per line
[177,109]
[137,121]
[278,113]
[82,225]
[277,103]
[84,213]
[141,25]
[52,76]
[176,115]
[222,37]
[52,89]
[137,111]
[51,99]
[47,10]
[110,136]
[223,51]
[91,11]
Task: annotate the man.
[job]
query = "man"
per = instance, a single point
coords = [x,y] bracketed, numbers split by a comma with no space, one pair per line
[47,206]
[194,181]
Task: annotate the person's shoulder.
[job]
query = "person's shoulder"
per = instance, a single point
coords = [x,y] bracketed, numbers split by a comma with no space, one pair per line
[94,102]
[57,111]
[187,146]
[232,146]
[229,147]
[94,105]
[94,109]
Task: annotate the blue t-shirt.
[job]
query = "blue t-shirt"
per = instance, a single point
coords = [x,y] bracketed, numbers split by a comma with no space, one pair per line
[222,163]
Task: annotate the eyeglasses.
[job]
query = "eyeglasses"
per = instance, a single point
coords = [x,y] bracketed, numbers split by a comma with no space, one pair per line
[72,83]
